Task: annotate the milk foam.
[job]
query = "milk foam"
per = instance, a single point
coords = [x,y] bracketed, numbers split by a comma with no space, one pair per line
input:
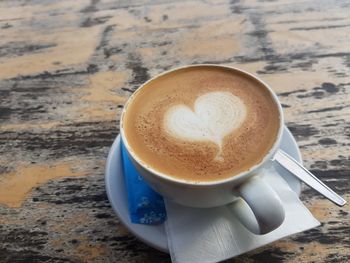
[201,123]
[215,115]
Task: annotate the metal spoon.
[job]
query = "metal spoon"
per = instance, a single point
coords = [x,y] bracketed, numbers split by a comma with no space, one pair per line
[307,177]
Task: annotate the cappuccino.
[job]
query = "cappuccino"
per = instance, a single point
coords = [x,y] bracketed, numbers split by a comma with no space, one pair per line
[201,123]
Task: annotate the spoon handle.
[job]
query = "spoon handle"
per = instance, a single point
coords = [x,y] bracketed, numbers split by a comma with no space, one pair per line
[307,177]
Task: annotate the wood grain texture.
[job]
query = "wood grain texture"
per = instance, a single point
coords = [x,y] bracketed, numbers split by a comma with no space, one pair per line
[67,67]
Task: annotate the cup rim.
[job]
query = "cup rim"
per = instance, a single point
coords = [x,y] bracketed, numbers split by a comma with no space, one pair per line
[235,177]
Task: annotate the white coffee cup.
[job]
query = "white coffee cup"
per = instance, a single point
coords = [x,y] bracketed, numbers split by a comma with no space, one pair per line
[263,201]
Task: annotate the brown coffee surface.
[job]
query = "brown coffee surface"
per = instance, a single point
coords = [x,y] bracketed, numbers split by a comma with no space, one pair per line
[201,156]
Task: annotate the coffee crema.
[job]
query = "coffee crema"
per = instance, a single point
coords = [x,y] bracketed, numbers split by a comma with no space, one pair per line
[201,123]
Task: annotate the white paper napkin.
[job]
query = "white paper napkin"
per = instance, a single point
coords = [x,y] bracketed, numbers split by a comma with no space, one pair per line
[215,234]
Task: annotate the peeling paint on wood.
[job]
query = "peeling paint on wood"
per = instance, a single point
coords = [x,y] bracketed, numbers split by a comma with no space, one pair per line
[67,67]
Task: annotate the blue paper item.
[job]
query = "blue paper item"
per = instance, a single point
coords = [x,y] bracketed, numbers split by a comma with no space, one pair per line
[145,205]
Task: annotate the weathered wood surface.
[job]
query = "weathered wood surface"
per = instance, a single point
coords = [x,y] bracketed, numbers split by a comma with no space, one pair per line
[66,67]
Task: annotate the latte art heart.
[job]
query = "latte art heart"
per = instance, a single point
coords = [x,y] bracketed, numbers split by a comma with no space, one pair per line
[201,123]
[215,115]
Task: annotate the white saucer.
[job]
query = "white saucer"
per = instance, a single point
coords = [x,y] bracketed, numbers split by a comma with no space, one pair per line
[155,236]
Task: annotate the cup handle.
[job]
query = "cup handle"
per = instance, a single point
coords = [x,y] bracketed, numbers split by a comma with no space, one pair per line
[267,212]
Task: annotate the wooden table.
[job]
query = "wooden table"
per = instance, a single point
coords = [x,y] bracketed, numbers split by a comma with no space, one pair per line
[67,67]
